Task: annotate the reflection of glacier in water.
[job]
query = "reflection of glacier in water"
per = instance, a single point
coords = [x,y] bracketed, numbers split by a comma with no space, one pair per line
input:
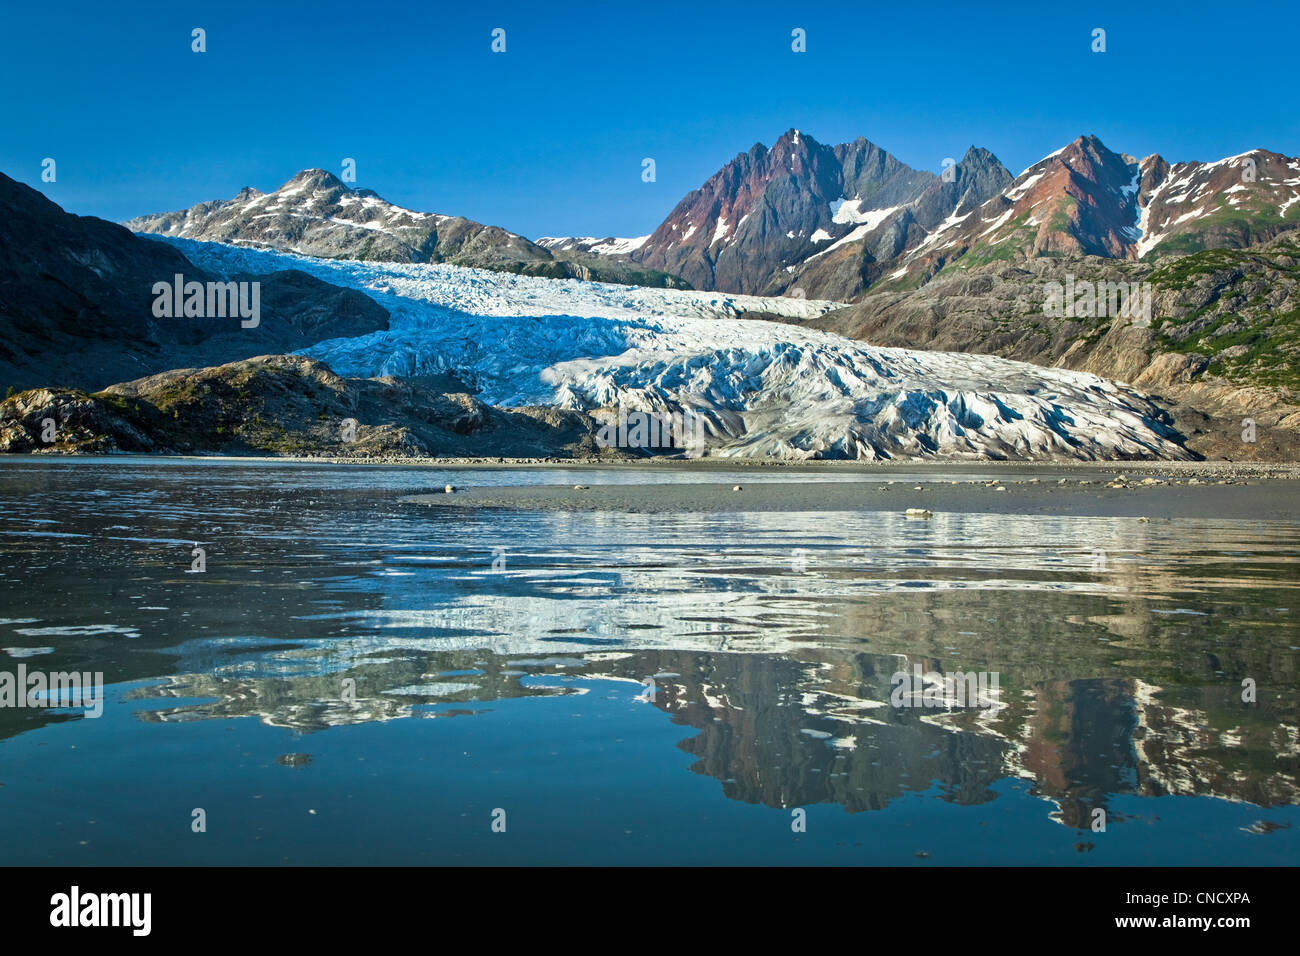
[775,668]
[766,389]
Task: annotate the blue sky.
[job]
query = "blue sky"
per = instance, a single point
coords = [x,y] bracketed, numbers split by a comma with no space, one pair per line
[548,138]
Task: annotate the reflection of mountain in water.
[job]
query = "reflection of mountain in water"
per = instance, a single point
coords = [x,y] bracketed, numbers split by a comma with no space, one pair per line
[783,731]
[1125,681]
[370,689]
[789,733]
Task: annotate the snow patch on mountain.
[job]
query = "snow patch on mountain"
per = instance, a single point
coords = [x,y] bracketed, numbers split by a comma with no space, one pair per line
[849,211]
[761,389]
[868,221]
[609,246]
[1022,187]
[951,222]
[1052,155]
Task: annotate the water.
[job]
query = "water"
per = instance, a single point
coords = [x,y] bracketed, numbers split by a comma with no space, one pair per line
[351,681]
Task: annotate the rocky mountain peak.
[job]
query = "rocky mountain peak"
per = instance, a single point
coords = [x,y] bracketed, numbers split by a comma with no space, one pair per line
[317,214]
[769,209]
[314,179]
[977,158]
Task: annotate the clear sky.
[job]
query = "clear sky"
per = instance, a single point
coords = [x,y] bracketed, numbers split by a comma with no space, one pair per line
[548,137]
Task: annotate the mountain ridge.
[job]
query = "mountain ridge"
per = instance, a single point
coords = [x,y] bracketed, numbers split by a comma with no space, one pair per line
[833,222]
[315,213]
[807,218]
[76,302]
[769,208]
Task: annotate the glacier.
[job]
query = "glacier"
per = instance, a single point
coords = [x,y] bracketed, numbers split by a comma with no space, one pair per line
[761,388]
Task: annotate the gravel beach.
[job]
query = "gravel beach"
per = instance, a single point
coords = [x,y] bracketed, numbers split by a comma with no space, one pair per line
[1141,490]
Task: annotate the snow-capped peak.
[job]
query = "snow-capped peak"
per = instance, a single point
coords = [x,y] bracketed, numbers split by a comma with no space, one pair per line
[608,246]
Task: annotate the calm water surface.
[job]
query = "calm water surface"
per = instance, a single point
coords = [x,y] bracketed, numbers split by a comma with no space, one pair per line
[352,681]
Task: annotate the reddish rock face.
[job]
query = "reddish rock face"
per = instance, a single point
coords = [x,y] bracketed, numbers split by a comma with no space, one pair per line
[1227,204]
[772,208]
[833,222]
[1086,200]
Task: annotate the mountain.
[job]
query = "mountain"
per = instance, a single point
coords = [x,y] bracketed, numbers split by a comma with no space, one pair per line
[316,214]
[1081,200]
[1085,200]
[770,209]
[967,276]
[76,302]
[1227,204]
[807,219]
[1222,343]
[609,246]
[832,222]
[852,264]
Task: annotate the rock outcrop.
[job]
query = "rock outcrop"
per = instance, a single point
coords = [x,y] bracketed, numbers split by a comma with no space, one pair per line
[287,405]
